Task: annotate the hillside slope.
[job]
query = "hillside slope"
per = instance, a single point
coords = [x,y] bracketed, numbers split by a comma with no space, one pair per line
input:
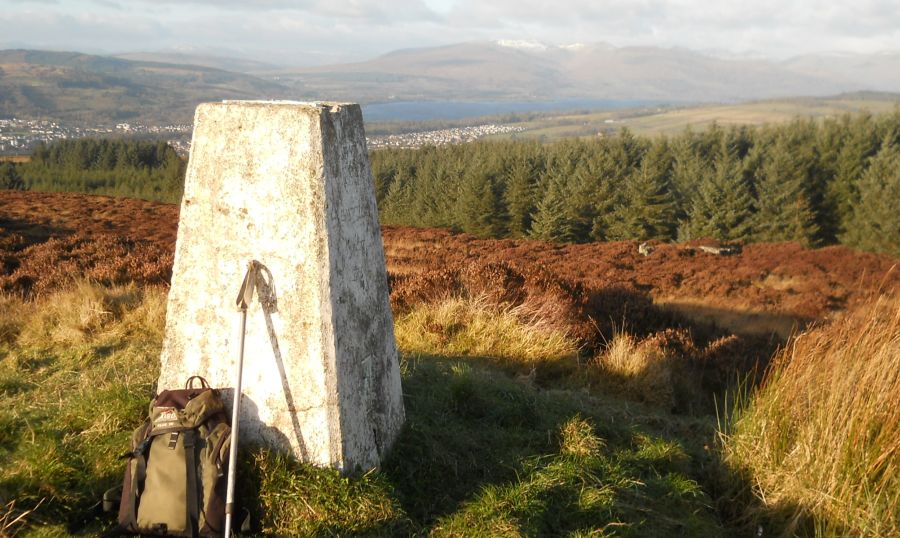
[93,90]
[531,71]
[90,89]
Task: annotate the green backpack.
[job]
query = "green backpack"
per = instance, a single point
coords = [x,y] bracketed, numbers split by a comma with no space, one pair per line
[177,470]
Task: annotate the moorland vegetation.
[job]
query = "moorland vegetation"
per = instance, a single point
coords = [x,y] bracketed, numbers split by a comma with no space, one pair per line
[548,392]
[556,382]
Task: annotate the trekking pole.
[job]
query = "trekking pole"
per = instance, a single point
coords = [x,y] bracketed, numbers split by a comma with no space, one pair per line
[243,300]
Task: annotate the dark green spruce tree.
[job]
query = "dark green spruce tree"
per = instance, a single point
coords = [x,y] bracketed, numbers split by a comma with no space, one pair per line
[723,205]
[688,167]
[861,142]
[479,207]
[604,179]
[9,177]
[551,220]
[520,197]
[784,208]
[873,223]
[647,207]
[395,209]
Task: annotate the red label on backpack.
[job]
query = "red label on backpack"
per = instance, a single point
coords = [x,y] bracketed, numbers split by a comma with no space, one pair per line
[166,417]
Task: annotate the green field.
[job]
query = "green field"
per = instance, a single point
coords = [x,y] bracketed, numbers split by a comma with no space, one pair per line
[672,120]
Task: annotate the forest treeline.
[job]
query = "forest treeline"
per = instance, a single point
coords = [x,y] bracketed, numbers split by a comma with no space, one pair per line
[816,182]
[134,168]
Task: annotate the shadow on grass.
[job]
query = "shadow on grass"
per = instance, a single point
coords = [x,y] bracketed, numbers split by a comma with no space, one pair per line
[481,452]
[747,515]
[462,431]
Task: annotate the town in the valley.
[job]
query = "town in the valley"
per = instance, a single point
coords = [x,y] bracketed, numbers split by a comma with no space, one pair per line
[19,136]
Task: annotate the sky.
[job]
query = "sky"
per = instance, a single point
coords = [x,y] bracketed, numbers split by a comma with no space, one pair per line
[310,32]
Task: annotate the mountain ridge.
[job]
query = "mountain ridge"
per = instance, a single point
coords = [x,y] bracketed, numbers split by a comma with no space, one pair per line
[601,71]
[86,88]
[91,89]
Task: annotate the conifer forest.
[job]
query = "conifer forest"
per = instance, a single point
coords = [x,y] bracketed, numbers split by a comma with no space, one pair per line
[835,181]
[818,183]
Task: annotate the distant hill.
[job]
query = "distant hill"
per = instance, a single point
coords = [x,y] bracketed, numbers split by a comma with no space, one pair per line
[158,88]
[877,72]
[90,89]
[531,71]
[225,63]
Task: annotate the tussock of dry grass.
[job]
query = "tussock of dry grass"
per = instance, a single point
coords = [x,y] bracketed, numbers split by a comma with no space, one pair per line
[476,327]
[577,438]
[85,311]
[821,439]
[645,369]
[10,320]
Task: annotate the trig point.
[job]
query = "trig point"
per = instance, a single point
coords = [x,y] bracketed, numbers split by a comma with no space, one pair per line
[287,184]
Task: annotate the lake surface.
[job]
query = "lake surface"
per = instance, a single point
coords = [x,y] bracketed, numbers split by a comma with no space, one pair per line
[453,110]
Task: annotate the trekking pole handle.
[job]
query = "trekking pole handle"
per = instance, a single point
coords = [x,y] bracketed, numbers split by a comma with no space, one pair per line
[245,295]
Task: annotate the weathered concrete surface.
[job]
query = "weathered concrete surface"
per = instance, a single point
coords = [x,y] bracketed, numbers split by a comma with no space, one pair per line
[287,184]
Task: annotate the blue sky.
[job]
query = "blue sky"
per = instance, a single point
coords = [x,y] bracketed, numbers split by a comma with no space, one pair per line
[308,32]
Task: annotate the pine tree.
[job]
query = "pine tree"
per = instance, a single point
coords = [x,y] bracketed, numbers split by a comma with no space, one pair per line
[575,186]
[784,206]
[551,222]
[861,143]
[480,209]
[397,205]
[520,197]
[604,179]
[9,177]
[723,206]
[829,139]
[688,167]
[873,224]
[584,202]
[802,140]
[647,207]
[384,166]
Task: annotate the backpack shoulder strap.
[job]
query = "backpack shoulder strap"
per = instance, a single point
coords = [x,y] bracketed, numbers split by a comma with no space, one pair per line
[192,501]
[128,517]
[135,476]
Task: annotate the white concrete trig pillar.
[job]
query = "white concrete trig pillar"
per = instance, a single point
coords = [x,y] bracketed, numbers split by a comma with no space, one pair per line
[287,184]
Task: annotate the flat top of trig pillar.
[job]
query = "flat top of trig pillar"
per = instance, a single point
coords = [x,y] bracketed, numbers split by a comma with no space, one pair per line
[265,102]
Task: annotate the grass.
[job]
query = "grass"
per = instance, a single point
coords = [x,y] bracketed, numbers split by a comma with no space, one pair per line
[465,326]
[508,433]
[482,453]
[74,380]
[820,441]
[674,120]
[644,370]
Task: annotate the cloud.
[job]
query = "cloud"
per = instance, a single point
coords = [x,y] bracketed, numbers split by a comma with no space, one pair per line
[775,27]
[85,31]
[306,31]
[397,10]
